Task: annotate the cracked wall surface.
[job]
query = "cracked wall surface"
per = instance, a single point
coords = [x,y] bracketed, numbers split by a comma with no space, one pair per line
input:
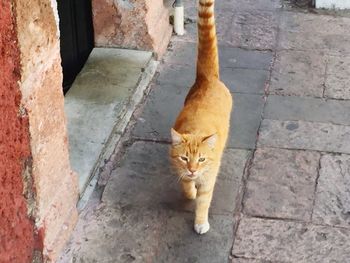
[38,192]
[17,238]
[42,98]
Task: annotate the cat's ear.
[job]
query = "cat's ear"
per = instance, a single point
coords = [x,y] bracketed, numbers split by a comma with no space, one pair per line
[210,140]
[175,137]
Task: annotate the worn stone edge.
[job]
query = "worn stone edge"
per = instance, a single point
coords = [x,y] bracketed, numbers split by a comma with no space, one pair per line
[121,123]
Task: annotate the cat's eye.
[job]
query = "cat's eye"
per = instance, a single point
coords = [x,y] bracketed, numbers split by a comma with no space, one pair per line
[201,159]
[184,158]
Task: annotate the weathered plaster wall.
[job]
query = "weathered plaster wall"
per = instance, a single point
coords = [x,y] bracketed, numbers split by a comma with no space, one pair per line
[42,97]
[17,237]
[136,24]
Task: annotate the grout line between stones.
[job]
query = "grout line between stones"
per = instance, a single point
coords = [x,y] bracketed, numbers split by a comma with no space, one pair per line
[309,97]
[315,189]
[240,197]
[299,120]
[334,54]
[257,259]
[242,190]
[299,221]
[159,141]
[330,122]
[304,150]
[243,187]
[324,80]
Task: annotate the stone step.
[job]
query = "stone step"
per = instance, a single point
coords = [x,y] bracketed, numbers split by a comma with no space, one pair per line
[100,103]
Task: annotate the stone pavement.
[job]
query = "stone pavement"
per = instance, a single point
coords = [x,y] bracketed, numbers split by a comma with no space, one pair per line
[283,194]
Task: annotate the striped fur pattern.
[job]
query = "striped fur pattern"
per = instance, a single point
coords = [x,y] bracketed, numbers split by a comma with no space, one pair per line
[201,129]
[208,61]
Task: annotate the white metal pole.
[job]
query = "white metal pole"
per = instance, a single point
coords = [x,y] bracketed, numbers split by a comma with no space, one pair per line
[179,17]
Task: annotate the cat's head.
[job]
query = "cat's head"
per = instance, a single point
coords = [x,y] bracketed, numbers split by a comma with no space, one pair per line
[191,154]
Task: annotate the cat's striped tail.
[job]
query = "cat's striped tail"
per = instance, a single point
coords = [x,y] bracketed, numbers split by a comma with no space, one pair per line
[207,61]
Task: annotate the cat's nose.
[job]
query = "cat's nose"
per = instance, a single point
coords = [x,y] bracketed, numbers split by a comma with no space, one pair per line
[192,170]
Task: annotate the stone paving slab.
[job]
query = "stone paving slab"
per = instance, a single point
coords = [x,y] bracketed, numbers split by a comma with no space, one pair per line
[145,179]
[285,241]
[142,203]
[266,5]
[246,260]
[307,109]
[180,76]
[304,135]
[310,23]
[298,73]
[165,102]
[281,184]
[241,80]
[160,111]
[229,181]
[121,234]
[337,78]
[332,205]
[254,30]
[230,57]
[302,31]
[233,165]
[242,71]
[245,121]
[179,243]
[307,41]
[291,40]
[143,192]
[115,234]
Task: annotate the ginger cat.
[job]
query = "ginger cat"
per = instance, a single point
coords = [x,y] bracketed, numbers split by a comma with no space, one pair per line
[200,132]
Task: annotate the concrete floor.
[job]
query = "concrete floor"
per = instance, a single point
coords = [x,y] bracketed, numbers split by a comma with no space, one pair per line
[283,190]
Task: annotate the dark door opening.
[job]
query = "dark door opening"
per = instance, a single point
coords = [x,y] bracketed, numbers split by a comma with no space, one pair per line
[77,37]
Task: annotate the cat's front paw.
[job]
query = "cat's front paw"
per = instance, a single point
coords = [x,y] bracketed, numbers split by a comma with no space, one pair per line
[202,228]
[191,195]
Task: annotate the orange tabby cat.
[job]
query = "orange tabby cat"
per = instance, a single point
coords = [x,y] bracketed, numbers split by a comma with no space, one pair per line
[201,129]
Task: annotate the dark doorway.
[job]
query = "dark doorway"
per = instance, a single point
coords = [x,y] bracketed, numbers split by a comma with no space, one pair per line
[77,38]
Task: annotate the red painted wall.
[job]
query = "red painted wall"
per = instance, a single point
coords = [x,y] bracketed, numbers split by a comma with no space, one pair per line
[16,228]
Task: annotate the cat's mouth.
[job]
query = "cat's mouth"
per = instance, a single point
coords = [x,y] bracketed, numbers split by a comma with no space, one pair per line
[192,176]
